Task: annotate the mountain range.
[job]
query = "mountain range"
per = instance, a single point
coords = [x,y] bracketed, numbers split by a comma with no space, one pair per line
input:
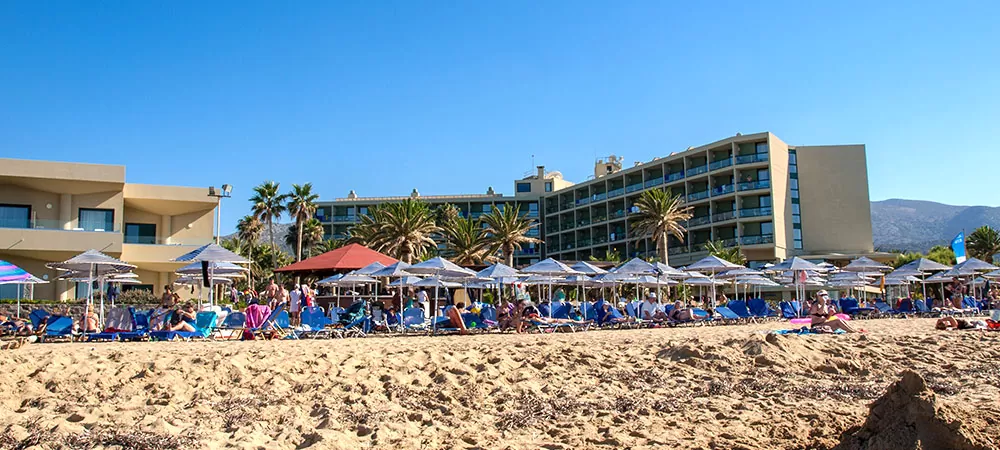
[917,225]
[897,224]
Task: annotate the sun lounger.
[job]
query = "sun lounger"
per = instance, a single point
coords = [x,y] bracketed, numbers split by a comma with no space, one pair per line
[790,310]
[203,328]
[850,307]
[314,324]
[232,326]
[37,318]
[970,307]
[140,327]
[728,316]
[58,328]
[119,321]
[413,320]
[760,309]
[921,308]
[740,308]
[884,309]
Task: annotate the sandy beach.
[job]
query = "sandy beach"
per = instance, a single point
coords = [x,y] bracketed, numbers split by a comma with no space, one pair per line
[732,387]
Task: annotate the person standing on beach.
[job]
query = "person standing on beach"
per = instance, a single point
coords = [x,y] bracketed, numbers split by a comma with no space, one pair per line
[294,306]
[272,292]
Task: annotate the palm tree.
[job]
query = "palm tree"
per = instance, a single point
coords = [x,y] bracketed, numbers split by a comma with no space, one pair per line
[941,254]
[406,229]
[329,245]
[248,230]
[446,213]
[507,230]
[467,241]
[268,205]
[312,235]
[983,243]
[660,214]
[302,207]
[732,254]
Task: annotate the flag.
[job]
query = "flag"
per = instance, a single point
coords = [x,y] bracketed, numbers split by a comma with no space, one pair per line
[958,246]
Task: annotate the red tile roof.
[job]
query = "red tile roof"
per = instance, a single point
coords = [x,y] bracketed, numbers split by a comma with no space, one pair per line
[346,258]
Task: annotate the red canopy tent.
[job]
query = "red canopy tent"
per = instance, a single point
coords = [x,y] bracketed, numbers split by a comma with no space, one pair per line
[344,259]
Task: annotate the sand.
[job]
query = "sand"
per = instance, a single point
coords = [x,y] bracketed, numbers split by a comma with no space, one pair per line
[731,387]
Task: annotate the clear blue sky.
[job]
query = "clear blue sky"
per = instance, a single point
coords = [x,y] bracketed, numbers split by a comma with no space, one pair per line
[452,97]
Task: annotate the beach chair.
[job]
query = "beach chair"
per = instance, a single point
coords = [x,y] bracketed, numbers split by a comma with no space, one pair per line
[906,307]
[921,309]
[473,323]
[850,307]
[970,307]
[37,318]
[204,325]
[315,324]
[631,310]
[262,328]
[760,309]
[589,311]
[789,310]
[140,327]
[883,309]
[413,320]
[740,308]
[728,316]
[119,321]
[58,328]
[560,310]
[708,319]
[232,326]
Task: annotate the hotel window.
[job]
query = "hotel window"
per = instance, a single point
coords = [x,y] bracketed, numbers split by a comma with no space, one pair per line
[548,186]
[761,147]
[793,169]
[97,219]
[15,216]
[795,209]
[763,174]
[792,157]
[140,233]
[765,201]
[766,228]
[793,184]
[523,187]
[797,219]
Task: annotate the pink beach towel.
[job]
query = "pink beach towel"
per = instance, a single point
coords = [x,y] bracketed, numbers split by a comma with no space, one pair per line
[256,315]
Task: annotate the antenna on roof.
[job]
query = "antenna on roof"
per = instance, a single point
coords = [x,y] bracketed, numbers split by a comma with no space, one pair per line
[532,160]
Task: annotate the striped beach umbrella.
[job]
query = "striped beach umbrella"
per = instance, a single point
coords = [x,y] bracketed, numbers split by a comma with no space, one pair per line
[10,272]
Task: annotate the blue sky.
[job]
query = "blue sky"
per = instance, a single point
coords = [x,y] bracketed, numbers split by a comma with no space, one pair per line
[453,97]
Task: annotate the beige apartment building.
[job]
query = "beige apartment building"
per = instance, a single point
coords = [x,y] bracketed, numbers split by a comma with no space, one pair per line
[755,191]
[338,215]
[51,211]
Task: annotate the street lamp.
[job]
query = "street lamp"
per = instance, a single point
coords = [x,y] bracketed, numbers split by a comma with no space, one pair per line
[226,192]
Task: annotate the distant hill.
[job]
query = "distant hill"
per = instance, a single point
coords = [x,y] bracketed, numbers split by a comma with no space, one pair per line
[279,237]
[919,225]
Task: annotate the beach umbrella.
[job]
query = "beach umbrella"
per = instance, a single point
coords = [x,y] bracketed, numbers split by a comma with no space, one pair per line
[96,264]
[501,274]
[406,281]
[197,281]
[370,269]
[635,266]
[10,272]
[552,268]
[11,279]
[712,264]
[924,266]
[972,265]
[217,268]
[211,253]
[587,268]
[395,270]
[440,267]
[331,280]
[796,264]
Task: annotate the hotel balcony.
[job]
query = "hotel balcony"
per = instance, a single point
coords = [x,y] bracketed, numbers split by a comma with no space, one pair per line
[720,164]
[724,216]
[698,196]
[633,188]
[750,159]
[698,221]
[654,182]
[616,192]
[677,250]
[755,212]
[696,170]
[757,240]
[49,235]
[345,219]
[674,177]
[730,242]
[723,190]
[754,185]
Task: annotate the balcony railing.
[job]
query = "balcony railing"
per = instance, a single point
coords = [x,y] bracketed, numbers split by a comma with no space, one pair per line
[532,232]
[724,216]
[698,196]
[720,164]
[567,205]
[531,214]
[599,219]
[677,250]
[696,221]
[633,188]
[600,240]
[582,201]
[730,242]
[696,170]
[583,222]
[751,185]
[698,248]
[583,242]
[654,182]
[617,214]
[755,212]
[52,224]
[723,190]
[616,192]
[752,158]
[172,241]
[345,218]
[673,177]
[599,197]
[757,240]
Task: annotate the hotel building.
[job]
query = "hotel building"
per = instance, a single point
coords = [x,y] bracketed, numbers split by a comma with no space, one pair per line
[772,199]
[51,211]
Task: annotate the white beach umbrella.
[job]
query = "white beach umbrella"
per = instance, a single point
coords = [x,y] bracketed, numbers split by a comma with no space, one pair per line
[95,264]
[587,268]
[440,267]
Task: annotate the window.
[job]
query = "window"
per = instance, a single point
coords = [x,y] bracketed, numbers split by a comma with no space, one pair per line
[763,174]
[797,234]
[795,208]
[766,228]
[798,245]
[140,233]
[532,206]
[793,183]
[548,186]
[363,210]
[523,187]
[97,219]
[11,290]
[792,159]
[796,220]
[487,208]
[761,147]
[793,169]
[765,201]
[15,216]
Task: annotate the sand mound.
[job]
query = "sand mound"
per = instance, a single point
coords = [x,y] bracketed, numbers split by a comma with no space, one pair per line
[909,416]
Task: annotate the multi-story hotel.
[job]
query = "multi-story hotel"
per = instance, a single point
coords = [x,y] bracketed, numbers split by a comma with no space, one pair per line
[338,216]
[51,211]
[772,199]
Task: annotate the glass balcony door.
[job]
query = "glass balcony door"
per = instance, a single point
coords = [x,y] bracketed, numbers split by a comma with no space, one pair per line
[97,219]
[15,216]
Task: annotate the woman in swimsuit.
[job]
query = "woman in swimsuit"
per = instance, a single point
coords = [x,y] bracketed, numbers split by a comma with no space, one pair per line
[822,314]
[183,319]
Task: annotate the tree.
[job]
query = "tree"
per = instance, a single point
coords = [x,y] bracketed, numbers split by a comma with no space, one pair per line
[268,206]
[941,254]
[983,243]
[904,258]
[311,237]
[248,230]
[402,230]
[660,215]
[613,256]
[329,245]
[507,230]
[732,254]
[445,214]
[302,207]
[466,240]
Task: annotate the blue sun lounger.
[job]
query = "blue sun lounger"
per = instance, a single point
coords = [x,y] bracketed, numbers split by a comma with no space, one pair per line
[204,324]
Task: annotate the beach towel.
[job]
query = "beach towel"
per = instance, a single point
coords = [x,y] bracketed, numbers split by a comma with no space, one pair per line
[256,315]
[804,330]
[119,319]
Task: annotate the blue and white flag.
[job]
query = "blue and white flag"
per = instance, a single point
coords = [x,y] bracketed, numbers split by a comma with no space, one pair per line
[958,246]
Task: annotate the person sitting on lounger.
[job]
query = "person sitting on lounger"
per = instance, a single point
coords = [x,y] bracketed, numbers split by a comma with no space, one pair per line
[454,314]
[951,323]
[649,309]
[88,323]
[183,319]
[682,314]
[608,316]
[822,314]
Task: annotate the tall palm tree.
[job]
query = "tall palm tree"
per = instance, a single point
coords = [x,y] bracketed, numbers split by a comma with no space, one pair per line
[467,241]
[983,243]
[268,206]
[302,207]
[329,245]
[660,215]
[248,230]
[312,236]
[507,230]
[732,254]
[446,213]
[406,229]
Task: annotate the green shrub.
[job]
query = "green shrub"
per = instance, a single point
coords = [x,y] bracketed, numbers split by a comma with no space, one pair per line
[137,297]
